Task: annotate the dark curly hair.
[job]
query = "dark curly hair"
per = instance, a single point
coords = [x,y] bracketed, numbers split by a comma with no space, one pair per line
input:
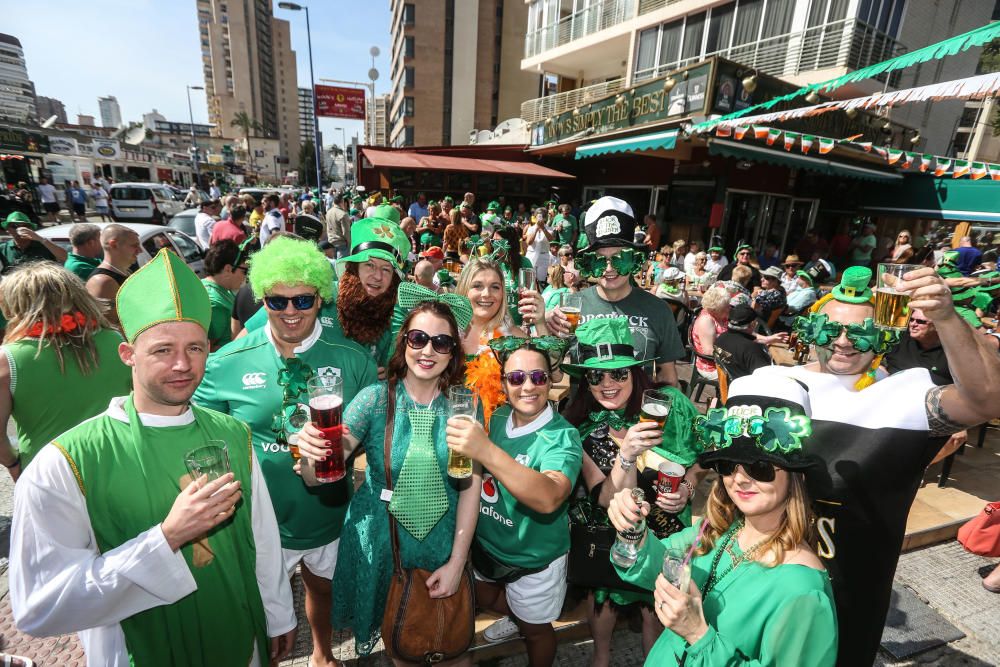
[455,371]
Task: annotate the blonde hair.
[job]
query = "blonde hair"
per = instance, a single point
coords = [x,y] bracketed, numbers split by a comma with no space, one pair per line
[556,272]
[795,528]
[742,274]
[456,216]
[714,298]
[473,268]
[43,292]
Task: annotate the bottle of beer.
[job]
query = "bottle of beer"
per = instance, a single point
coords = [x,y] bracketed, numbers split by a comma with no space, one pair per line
[625,550]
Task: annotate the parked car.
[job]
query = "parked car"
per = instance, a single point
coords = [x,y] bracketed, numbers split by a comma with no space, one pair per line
[143,202]
[184,221]
[151,239]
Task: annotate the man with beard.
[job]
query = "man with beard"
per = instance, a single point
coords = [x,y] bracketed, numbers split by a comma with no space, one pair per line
[261,379]
[875,436]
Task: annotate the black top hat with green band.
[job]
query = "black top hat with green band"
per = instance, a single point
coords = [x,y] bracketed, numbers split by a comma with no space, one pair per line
[603,343]
[853,287]
[715,248]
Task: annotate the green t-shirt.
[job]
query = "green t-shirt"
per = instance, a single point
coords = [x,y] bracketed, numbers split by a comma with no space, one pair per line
[242,380]
[654,329]
[220,329]
[380,349]
[565,226]
[862,252]
[81,266]
[11,255]
[509,531]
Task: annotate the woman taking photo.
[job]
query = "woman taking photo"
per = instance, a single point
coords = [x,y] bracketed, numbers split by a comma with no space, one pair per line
[530,461]
[435,517]
[536,239]
[757,594]
[620,452]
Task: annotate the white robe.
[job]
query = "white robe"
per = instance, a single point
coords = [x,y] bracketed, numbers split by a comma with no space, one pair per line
[61,583]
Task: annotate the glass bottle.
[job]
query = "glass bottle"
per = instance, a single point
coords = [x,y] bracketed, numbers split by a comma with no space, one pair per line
[626,547]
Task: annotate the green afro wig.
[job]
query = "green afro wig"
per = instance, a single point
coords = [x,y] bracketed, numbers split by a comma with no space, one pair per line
[291,261]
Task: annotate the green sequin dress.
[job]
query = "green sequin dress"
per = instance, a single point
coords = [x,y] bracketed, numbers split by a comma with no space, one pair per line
[364,561]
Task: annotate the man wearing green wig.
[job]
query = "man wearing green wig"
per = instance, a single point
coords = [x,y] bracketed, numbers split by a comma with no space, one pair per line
[261,380]
[112,537]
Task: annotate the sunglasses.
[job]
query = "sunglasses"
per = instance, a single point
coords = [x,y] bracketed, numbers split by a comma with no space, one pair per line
[917,320]
[299,301]
[762,471]
[538,377]
[441,343]
[595,377]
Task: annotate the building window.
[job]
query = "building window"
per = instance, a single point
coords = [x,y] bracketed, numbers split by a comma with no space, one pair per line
[407,106]
[409,14]
[408,136]
[408,77]
[408,47]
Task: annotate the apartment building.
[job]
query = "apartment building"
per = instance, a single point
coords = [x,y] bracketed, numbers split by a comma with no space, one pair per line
[377,121]
[17,92]
[455,69]
[249,67]
[111,112]
[307,116]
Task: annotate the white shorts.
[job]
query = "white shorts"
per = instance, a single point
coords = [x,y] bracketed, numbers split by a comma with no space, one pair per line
[321,561]
[538,598]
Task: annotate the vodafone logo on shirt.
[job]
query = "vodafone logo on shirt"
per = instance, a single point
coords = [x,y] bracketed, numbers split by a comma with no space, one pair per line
[491,494]
[254,380]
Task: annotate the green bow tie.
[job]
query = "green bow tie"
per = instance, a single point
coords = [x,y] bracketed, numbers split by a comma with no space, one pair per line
[615,419]
[419,499]
[411,295]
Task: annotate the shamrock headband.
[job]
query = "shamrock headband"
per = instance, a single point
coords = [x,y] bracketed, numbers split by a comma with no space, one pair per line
[245,250]
[625,262]
[772,430]
[818,329]
[553,347]
[411,295]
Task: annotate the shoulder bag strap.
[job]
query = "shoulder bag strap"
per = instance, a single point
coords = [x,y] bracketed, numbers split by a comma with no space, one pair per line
[390,418]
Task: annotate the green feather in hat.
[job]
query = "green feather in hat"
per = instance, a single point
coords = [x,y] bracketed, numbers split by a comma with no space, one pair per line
[604,343]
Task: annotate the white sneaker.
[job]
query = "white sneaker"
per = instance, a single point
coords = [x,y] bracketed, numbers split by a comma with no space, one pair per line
[500,630]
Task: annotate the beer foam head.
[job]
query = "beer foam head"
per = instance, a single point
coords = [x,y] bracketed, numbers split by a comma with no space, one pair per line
[325,402]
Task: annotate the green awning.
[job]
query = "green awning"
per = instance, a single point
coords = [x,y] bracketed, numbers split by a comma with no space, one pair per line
[664,140]
[792,160]
[925,196]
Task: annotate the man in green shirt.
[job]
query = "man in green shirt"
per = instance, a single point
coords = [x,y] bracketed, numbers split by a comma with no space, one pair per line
[87,252]
[565,225]
[25,244]
[226,266]
[261,380]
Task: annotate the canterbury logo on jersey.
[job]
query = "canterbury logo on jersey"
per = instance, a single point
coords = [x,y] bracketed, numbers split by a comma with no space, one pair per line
[254,380]
[327,321]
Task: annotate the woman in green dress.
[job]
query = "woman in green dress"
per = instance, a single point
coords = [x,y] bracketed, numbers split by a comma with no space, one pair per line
[430,228]
[755,592]
[530,460]
[621,452]
[427,360]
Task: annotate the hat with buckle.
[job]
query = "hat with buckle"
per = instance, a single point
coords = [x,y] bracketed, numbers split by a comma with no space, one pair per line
[377,237]
[853,287]
[603,343]
[610,223]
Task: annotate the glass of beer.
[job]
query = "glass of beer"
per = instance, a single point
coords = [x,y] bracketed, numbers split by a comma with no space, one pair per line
[210,459]
[891,305]
[462,404]
[526,279]
[326,407]
[571,306]
[655,407]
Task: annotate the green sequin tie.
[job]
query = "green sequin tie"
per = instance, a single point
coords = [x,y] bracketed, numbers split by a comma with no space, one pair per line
[419,499]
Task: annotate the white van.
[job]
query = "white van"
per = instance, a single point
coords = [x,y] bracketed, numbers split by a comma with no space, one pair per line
[143,202]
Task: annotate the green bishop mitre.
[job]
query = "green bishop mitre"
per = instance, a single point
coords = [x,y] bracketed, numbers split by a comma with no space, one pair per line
[378,236]
[165,289]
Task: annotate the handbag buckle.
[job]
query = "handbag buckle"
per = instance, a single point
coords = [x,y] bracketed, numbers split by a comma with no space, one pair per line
[593,548]
[434,658]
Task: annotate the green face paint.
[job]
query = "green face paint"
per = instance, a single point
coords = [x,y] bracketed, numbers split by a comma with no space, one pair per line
[625,262]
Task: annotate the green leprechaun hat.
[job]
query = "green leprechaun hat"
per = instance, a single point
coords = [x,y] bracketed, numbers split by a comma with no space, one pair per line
[493,206]
[165,289]
[378,236]
[853,287]
[603,343]
[18,218]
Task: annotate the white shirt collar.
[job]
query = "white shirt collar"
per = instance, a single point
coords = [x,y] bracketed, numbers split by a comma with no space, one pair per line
[305,344]
[541,420]
[116,410]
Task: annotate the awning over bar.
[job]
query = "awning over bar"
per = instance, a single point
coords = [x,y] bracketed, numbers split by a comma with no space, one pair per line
[431,162]
[782,158]
[925,196]
[664,140]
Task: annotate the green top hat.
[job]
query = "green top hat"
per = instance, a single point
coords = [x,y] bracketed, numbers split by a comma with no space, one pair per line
[398,199]
[743,246]
[357,198]
[379,237]
[948,271]
[164,290]
[604,343]
[715,248]
[508,208]
[493,206]
[853,287]
[16,217]
[449,199]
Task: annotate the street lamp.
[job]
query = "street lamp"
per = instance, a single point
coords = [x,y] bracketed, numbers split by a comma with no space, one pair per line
[194,142]
[291,6]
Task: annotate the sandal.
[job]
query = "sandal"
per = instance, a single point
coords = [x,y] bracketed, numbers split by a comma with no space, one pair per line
[8,660]
[991,589]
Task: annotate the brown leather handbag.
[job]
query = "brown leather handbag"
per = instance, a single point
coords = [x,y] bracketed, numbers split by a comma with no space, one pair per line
[416,627]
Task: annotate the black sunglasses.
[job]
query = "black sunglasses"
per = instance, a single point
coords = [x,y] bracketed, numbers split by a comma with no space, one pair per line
[762,471]
[442,343]
[595,377]
[538,377]
[299,301]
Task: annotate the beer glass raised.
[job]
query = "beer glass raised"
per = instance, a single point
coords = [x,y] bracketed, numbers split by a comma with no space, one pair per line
[462,403]
[326,407]
[891,305]
[571,306]
[655,407]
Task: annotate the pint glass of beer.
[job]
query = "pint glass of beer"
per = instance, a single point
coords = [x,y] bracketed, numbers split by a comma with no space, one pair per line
[655,407]
[571,306]
[461,405]
[892,306]
[210,459]
[326,407]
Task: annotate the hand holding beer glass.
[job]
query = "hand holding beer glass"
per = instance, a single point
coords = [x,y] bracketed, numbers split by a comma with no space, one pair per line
[526,285]
[571,306]
[655,407]
[211,459]
[892,305]
[462,404]
[326,406]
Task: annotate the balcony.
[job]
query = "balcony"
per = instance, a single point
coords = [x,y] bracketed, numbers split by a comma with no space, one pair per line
[579,24]
[536,110]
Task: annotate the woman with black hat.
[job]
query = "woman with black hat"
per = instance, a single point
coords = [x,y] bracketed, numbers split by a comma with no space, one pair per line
[620,452]
[757,594]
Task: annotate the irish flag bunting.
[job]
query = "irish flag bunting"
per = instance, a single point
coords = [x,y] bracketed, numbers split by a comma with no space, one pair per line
[760,132]
[825,145]
[978,170]
[882,153]
[994,170]
[941,166]
[723,130]
[853,137]
[741,131]
[894,155]
[925,162]
[806,142]
[790,138]
[772,136]
[864,145]
[907,160]
[961,168]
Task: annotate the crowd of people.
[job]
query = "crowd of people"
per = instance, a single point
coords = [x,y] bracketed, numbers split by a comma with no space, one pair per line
[446,335]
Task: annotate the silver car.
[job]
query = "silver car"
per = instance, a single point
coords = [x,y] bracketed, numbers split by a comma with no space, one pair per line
[151,239]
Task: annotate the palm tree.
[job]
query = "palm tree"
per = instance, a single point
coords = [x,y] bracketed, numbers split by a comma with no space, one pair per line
[247,124]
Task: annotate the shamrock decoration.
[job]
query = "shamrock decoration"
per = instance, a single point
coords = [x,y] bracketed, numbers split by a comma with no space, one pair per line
[384,231]
[819,330]
[625,262]
[294,379]
[500,249]
[781,430]
[816,328]
[710,428]
[553,347]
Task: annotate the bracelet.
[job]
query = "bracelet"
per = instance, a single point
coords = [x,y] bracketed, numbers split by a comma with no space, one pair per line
[626,464]
[690,488]
[16,462]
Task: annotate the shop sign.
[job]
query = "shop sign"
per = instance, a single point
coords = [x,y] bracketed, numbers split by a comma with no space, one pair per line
[12,139]
[63,146]
[108,149]
[86,150]
[642,105]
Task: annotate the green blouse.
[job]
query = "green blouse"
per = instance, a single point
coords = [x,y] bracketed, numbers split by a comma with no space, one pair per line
[756,615]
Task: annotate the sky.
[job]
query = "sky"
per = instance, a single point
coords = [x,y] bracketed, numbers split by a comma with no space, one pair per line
[144,52]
